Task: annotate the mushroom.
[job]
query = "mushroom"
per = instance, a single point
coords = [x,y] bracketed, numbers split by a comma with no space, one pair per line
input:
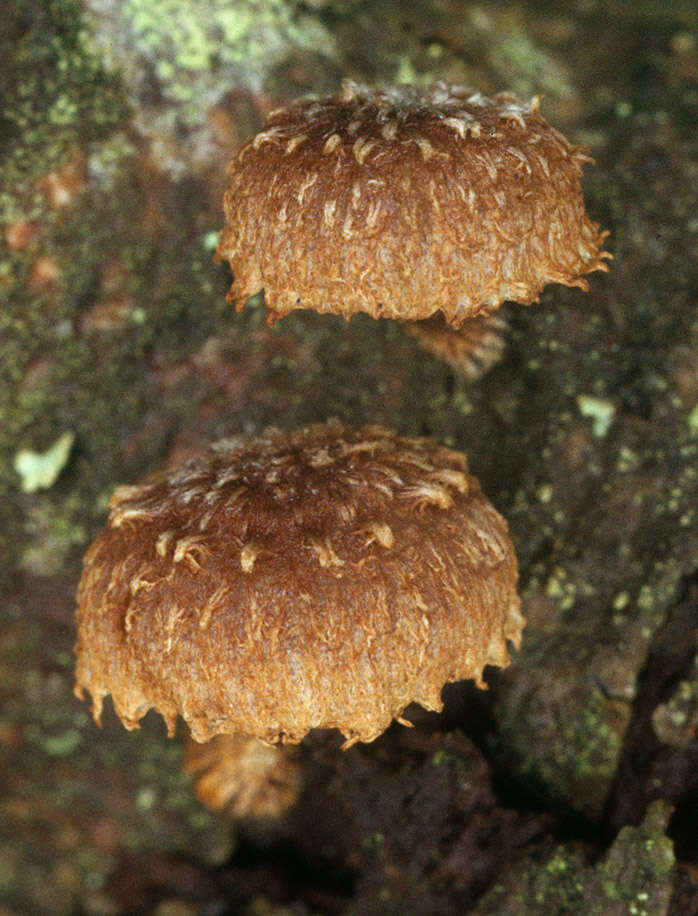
[404,203]
[244,777]
[470,350]
[319,578]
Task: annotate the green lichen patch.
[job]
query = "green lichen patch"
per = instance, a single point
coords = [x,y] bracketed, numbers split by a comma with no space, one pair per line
[580,730]
[56,94]
[675,722]
[183,56]
[40,470]
[599,410]
[633,879]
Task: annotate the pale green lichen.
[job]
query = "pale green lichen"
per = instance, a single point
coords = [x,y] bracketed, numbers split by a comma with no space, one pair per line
[544,493]
[621,601]
[405,72]
[599,410]
[628,460]
[693,421]
[197,50]
[40,470]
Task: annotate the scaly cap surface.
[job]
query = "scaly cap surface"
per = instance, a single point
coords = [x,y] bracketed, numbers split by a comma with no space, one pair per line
[319,578]
[401,203]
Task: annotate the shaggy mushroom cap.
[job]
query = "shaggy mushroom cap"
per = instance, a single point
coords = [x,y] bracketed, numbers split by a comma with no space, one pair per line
[320,578]
[400,203]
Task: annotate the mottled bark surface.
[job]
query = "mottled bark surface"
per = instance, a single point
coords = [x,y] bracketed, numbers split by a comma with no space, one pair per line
[572,785]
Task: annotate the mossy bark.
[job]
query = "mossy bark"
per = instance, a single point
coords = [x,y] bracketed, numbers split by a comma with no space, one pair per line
[114,329]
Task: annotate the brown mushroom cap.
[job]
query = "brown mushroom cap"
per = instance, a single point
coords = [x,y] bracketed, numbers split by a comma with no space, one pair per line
[399,203]
[320,578]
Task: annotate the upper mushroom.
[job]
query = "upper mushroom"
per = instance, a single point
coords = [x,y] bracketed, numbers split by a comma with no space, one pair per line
[401,203]
[321,578]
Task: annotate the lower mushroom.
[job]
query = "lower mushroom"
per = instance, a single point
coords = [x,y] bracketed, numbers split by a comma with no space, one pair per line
[319,578]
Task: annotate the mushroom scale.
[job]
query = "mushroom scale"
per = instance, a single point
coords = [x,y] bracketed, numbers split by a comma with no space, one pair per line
[400,203]
[319,578]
